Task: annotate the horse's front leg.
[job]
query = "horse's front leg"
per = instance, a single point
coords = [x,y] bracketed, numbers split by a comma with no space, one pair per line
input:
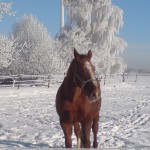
[77,131]
[95,131]
[86,128]
[67,129]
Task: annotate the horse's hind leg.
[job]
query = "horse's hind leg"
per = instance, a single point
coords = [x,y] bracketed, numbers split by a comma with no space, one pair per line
[77,131]
[95,131]
[67,128]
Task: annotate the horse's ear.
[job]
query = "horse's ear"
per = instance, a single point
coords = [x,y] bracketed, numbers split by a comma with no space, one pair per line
[89,55]
[76,54]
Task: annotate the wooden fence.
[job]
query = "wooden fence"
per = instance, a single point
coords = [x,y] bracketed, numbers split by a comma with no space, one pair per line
[28,80]
[47,80]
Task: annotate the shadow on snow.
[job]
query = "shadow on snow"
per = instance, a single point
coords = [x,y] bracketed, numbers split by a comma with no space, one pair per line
[22,144]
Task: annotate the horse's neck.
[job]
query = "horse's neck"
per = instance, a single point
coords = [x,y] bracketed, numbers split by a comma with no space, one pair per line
[69,82]
[70,74]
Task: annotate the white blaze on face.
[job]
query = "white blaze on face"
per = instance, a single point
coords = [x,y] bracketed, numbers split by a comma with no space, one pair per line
[89,66]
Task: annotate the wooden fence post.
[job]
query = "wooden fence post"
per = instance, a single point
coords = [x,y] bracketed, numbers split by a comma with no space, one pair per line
[19,81]
[135,78]
[105,80]
[48,81]
[13,82]
[123,79]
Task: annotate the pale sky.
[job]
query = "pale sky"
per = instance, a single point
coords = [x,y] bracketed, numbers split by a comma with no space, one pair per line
[136,31]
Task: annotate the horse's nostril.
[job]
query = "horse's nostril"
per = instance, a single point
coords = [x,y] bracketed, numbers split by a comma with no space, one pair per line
[93,96]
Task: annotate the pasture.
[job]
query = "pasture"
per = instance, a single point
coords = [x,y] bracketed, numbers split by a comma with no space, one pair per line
[28,118]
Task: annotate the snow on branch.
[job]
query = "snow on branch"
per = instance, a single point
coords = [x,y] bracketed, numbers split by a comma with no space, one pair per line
[98,23]
[5,8]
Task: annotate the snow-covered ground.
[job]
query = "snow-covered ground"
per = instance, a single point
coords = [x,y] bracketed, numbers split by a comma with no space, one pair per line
[28,118]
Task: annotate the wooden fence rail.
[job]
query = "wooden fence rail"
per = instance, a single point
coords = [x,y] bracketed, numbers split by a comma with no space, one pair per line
[47,80]
[27,80]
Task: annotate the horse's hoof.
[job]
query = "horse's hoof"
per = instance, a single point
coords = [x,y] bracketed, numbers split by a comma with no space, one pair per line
[95,144]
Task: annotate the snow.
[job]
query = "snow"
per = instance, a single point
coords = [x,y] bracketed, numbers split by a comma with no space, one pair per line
[28,118]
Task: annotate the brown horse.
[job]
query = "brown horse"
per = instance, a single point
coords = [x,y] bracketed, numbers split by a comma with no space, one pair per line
[78,101]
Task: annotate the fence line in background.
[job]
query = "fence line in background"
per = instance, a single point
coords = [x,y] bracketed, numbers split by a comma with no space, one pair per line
[47,80]
[25,80]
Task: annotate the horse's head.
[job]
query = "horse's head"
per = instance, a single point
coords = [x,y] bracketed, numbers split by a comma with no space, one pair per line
[84,75]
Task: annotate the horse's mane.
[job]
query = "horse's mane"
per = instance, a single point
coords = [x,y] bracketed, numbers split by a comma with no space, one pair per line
[71,68]
[69,80]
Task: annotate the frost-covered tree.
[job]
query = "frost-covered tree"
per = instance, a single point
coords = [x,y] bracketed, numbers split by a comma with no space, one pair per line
[35,47]
[99,22]
[69,40]
[5,8]
[5,51]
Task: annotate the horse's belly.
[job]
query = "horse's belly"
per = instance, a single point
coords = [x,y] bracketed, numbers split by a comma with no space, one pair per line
[78,116]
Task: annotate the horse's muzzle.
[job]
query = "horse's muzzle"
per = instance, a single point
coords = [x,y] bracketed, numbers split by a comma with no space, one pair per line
[94,96]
